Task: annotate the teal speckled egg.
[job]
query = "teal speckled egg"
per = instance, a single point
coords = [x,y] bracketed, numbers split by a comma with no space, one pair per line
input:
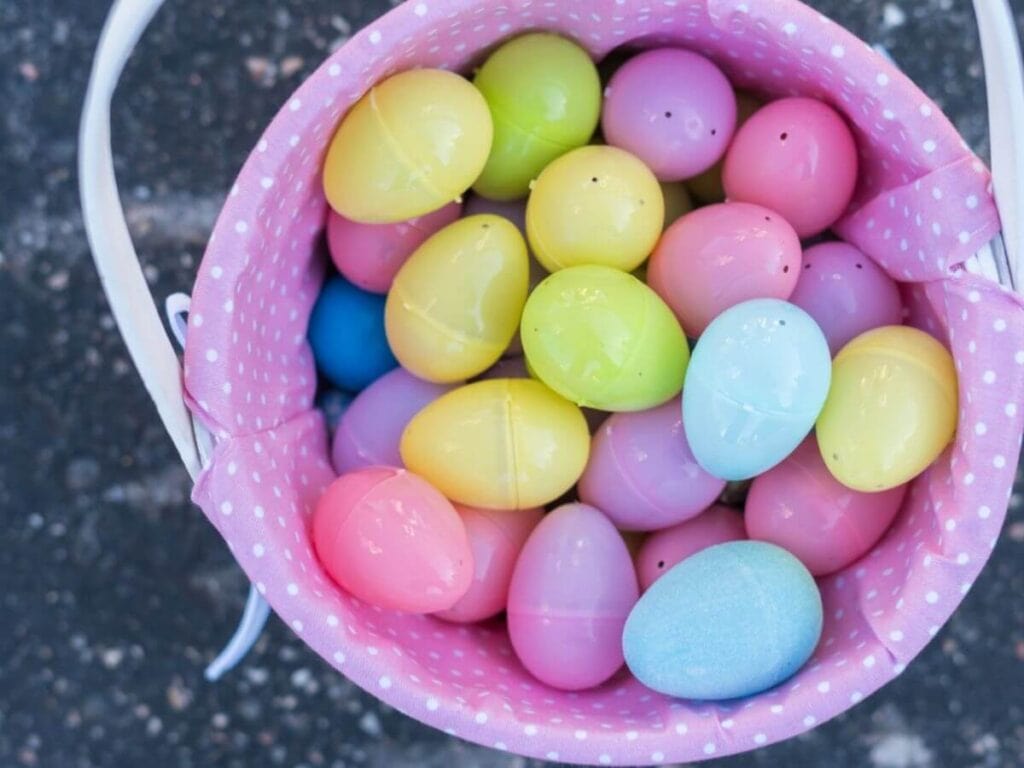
[730,621]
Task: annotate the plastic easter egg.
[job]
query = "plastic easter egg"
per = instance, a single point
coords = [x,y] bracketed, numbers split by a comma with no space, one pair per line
[720,256]
[389,538]
[731,621]
[798,157]
[545,99]
[891,410]
[757,381]
[495,538]
[499,444]
[672,108]
[603,339]
[677,202]
[802,508]
[663,549]
[571,591]
[370,255]
[456,303]
[595,205]
[846,293]
[371,429]
[346,332]
[411,145]
[642,474]
[333,403]
[707,187]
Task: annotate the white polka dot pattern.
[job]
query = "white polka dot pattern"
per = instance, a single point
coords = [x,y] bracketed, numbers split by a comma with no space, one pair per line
[250,377]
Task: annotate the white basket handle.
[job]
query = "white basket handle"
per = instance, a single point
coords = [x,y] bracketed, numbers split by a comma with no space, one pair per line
[116,261]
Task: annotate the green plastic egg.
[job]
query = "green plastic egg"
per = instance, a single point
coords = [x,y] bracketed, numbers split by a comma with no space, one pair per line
[602,339]
[545,99]
[414,143]
[595,205]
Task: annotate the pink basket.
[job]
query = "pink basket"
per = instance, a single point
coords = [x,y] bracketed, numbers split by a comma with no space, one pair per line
[923,209]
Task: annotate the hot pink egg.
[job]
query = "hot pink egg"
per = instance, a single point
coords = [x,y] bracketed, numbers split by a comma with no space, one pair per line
[572,588]
[370,255]
[391,539]
[666,548]
[798,157]
[674,109]
[495,538]
[370,430]
[846,293]
[642,473]
[720,256]
[799,506]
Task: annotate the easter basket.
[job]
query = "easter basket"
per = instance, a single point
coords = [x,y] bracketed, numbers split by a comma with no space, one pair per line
[241,414]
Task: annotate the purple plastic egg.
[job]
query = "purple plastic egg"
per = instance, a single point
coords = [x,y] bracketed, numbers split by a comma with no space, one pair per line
[846,293]
[371,429]
[672,108]
[800,507]
[642,473]
[796,156]
[370,255]
[572,588]
[666,548]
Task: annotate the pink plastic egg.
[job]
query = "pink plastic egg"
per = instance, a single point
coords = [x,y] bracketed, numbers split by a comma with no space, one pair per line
[798,157]
[674,109]
[370,431]
[846,293]
[370,255]
[642,474]
[720,256]
[495,538]
[666,548]
[391,539]
[572,589]
[799,506]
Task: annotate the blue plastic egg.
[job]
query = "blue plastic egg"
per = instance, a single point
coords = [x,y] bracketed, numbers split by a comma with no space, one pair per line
[346,332]
[757,380]
[730,621]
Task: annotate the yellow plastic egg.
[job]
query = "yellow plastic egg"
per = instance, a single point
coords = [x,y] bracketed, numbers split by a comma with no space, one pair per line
[601,338]
[891,408]
[595,205]
[455,304]
[412,144]
[499,444]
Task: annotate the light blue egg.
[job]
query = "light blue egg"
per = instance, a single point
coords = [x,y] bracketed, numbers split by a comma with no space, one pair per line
[346,332]
[757,381]
[731,621]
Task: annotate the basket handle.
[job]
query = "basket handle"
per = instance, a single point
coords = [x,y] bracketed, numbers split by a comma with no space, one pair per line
[118,264]
[1004,83]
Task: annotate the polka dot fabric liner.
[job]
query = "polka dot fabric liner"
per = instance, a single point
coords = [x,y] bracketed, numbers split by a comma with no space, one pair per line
[924,205]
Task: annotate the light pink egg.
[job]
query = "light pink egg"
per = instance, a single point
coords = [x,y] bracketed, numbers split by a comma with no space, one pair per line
[642,473]
[720,256]
[846,293]
[799,506]
[495,538]
[572,588]
[670,546]
[370,255]
[796,156]
[370,431]
[391,539]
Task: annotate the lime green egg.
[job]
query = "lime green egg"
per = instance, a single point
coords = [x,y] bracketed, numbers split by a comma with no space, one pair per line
[595,205]
[891,408]
[414,143]
[455,304]
[545,99]
[602,339]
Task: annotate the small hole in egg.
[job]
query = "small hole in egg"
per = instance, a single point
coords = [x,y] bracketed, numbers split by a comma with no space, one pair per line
[860,266]
[784,136]
[668,114]
[487,226]
[661,563]
[714,131]
[593,179]
[767,218]
[785,269]
[835,457]
[807,266]
[782,322]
